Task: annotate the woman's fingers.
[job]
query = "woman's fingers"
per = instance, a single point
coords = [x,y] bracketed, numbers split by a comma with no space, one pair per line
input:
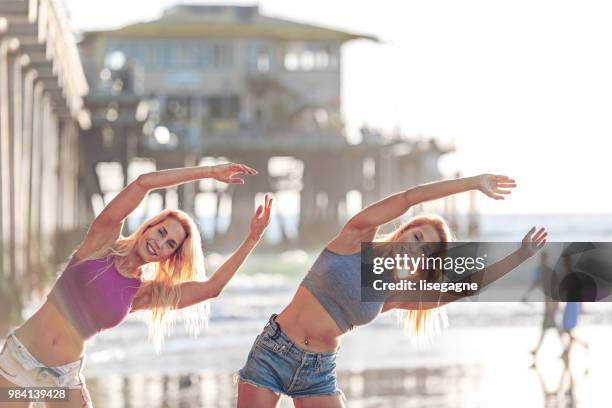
[497,186]
[539,231]
[247,170]
[263,211]
[268,207]
[536,238]
[529,233]
[242,168]
[250,170]
[540,234]
[500,177]
[504,181]
[235,180]
[236,167]
[540,238]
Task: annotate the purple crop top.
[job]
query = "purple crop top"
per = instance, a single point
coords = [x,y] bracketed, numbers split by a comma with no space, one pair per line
[93,295]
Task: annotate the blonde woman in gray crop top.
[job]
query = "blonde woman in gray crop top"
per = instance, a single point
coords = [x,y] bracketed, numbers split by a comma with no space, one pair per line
[295,353]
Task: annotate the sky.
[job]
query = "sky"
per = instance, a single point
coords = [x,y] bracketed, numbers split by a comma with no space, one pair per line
[522,88]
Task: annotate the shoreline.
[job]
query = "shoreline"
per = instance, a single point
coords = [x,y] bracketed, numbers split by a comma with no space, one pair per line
[464,367]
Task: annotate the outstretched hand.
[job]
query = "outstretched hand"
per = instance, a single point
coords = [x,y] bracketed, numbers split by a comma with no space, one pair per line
[495,186]
[261,219]
[534,241]
[227,172]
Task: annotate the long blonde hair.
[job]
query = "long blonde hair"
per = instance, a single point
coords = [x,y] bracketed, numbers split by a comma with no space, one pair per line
[423,324]
[185,265]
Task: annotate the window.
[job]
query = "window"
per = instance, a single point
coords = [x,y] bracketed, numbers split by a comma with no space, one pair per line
[221,55]
[186,55]
[307,60]
[309,57]
[292,61]
[203,56]
[263,62]
[322,59]
[258,58]
[178,108]
[133,51]
[151,54]
[167,53]
[226,107]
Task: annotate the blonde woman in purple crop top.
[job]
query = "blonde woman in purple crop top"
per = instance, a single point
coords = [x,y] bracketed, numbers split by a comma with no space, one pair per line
[159,267]
[295,353]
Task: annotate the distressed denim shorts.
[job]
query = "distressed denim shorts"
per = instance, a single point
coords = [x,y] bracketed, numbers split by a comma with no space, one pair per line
[275,362]
[21,368]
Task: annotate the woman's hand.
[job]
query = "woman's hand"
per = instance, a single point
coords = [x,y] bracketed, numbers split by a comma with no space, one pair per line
[261,219]
[495,186]
[533,241]
[227,172]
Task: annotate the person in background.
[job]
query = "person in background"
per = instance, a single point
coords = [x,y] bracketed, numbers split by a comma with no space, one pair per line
[544,275]
[570,320]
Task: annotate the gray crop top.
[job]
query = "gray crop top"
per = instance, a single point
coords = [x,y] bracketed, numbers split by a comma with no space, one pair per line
[335,280]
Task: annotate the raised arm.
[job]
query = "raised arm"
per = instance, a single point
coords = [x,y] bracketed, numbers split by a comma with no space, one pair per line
[531,243]
[364,225]
[130,197]
[196,292]
[108,224]
[394,206]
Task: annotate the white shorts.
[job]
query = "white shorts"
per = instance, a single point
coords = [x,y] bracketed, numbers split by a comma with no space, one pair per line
[21,368]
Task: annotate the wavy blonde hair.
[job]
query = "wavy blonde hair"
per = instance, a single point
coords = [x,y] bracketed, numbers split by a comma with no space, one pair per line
[186,264]
[423,324]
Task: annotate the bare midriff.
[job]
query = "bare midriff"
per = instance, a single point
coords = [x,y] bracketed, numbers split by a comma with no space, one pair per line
[50,337]
[306,322]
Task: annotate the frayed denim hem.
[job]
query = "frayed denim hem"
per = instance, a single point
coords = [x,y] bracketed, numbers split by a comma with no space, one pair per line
[239,378]
[337,393]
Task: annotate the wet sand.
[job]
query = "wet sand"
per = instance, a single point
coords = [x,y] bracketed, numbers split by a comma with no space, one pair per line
[377,367]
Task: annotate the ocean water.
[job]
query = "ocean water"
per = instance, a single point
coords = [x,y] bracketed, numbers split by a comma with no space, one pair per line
[485,345]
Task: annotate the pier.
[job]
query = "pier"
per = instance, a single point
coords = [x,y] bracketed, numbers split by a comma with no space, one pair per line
[82,117]
[242,87]
[42,115]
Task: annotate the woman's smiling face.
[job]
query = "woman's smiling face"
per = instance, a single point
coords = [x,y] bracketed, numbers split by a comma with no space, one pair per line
[161,240]
[421,240]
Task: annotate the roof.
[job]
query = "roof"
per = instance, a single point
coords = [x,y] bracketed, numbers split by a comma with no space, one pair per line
[225,21]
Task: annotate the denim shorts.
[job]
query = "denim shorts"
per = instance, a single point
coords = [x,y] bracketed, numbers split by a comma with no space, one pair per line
[21,368]
[275,362]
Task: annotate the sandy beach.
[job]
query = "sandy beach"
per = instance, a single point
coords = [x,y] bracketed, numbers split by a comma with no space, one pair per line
[378,367]
[481,360]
